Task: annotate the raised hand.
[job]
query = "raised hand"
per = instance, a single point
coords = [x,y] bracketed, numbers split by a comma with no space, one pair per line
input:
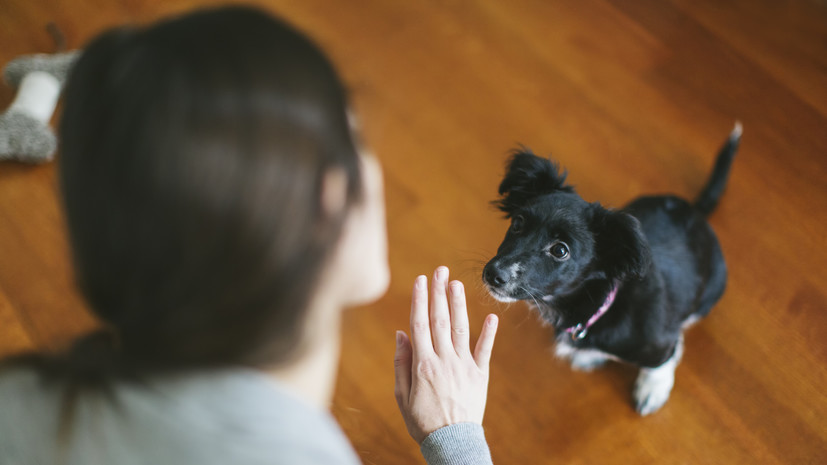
[438,380]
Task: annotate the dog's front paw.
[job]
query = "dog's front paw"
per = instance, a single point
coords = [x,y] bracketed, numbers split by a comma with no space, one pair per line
[652,389]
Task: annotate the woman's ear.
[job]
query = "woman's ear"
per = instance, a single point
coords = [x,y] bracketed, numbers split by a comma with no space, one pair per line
[529,176]
[334,192]
[622,249]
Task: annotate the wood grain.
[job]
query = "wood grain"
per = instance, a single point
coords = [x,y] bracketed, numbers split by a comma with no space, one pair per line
[631,97]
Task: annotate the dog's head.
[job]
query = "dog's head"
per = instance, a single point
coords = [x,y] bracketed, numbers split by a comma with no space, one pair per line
[557,240]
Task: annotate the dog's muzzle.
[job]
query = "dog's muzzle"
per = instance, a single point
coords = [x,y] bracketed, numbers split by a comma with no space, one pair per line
[500,281]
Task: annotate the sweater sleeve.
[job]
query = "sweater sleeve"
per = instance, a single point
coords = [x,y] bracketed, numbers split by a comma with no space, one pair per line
[458,444]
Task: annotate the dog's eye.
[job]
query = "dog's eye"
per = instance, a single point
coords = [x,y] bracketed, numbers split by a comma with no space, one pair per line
[517,224]
[559,250]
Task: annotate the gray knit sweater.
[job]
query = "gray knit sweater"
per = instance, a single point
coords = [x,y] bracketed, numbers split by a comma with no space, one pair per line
[234,417]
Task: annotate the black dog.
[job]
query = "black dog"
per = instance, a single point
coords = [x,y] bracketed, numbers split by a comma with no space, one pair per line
[615,284]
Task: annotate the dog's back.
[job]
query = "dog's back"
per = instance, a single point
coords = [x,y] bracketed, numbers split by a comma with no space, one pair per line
[685,250]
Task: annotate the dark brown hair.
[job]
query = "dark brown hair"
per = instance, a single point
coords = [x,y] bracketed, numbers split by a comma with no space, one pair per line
[192,159]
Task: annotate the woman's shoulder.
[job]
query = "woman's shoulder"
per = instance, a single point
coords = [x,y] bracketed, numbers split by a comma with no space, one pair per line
[28,414]
[24,389]
[231,416]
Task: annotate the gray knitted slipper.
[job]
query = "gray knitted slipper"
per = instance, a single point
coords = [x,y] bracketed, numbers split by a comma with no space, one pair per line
[55,64]
[25,139]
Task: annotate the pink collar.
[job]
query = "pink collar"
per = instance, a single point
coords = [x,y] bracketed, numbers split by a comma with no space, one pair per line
[580,330]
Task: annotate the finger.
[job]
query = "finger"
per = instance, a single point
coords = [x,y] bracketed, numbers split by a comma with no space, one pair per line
[440,313]
[402,361]
[421,344]
[485,344]
[459,319]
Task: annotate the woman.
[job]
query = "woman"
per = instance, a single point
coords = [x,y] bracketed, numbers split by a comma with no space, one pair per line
[220,218]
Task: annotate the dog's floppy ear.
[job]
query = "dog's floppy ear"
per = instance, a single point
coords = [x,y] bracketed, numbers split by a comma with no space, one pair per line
[620,245]
[528,176]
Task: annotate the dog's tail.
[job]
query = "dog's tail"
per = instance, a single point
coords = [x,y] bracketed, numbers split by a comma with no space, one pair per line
[708,199]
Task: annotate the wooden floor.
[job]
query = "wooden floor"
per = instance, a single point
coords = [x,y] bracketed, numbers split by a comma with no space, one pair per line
[633,98]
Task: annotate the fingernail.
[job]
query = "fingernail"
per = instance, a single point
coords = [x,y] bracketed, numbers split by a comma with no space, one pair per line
[421,282]
[442,273]
[456,287]
[398,339]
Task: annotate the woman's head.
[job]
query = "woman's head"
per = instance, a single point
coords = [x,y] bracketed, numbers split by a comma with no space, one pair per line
[209,174]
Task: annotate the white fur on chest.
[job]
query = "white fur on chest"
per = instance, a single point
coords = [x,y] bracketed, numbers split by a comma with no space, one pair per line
[581,359]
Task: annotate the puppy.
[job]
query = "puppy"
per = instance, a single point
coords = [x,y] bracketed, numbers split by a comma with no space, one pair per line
[614,284]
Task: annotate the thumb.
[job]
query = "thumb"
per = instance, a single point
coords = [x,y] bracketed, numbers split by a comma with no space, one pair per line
[402,367]
[485,343]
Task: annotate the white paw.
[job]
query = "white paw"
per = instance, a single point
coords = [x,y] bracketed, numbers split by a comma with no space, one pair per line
[652,389]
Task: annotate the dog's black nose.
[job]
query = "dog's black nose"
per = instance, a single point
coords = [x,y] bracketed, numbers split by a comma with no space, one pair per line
[493,275]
